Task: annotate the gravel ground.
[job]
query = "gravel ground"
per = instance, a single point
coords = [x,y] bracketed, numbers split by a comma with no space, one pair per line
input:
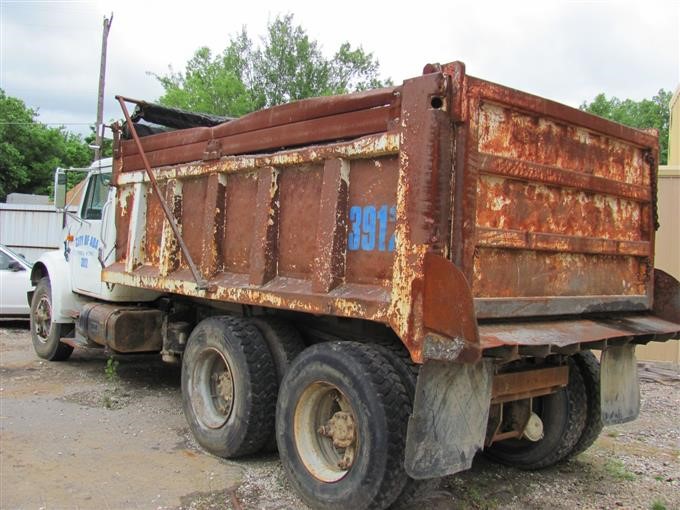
[71,437]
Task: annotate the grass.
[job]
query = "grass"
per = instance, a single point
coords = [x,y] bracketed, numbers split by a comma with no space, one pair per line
[476,499]
[109,399]
[658,505]
[617,470]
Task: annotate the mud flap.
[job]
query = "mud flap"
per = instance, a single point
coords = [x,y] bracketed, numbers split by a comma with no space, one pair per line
[619,385]
[450,413]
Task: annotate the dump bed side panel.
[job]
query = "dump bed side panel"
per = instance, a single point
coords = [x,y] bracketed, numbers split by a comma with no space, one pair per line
[310,229]
[563,208]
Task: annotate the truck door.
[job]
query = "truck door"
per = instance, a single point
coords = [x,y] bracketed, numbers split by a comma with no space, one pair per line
[84,257]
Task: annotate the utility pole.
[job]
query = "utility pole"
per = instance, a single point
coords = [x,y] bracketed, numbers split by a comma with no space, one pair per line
[99,130]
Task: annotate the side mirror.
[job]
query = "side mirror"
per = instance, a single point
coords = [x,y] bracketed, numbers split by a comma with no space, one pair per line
[59,189]
[15,267]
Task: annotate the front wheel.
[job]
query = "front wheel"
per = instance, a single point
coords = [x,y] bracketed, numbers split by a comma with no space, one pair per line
[341,425]
[46,334]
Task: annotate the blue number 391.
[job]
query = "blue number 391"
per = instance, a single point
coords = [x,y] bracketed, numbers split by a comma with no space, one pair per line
[368,229]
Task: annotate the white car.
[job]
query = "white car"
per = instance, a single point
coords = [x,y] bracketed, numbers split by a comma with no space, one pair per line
[15,283]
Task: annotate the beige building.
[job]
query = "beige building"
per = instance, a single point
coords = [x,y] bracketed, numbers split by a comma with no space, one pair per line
[668,236]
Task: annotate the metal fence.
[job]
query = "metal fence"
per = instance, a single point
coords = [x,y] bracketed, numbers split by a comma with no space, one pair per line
[31,229]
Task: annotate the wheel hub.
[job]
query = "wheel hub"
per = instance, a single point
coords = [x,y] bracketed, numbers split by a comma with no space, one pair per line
[225,391]
[340,429]
[212,388]
[326,432]
[43,319]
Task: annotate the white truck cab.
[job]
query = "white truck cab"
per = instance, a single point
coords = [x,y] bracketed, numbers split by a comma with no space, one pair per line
[89,236]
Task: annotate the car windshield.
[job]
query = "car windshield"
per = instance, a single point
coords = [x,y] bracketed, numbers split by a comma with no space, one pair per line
[17,256]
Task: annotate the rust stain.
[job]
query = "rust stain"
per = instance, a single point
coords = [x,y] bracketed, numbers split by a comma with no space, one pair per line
[530,207]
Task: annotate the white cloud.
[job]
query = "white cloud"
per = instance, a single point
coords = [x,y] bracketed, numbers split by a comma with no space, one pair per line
[567,51]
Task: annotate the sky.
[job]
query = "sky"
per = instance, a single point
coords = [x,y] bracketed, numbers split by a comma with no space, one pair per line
[568,51]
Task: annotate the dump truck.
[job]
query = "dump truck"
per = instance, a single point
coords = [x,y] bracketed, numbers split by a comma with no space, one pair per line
[380,284]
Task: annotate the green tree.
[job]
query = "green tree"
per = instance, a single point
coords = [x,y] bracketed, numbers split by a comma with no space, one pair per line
[30,150]
[644,114]
[287,65]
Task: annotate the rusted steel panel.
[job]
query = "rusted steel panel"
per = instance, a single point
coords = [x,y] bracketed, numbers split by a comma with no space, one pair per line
[331,237]
[518,136]
[562,205]
[344,125]
[163,141]
[300,194]
[546,108]
[154,228]
[666,296]
[213,225]
[530,207]
[263,248]
[527,383]
[239,222]
[372,197]
[367,147]
[527,171]
[123,212]
[556,334]
[525,273]
[309,109]
[170,254]
[424,185]
[193,227]
[523,240]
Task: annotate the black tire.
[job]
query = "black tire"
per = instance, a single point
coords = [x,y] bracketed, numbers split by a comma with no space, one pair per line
[364,379]
[590,371]
[45,334]
[563,414]
[408,371]
[228,386]
[283,340]
[285,344]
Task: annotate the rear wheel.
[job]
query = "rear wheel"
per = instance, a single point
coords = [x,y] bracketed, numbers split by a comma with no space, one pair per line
[341,426]
[408,372]
[563,415]
[285,343]
[228,386]
[46,334]
[590,371]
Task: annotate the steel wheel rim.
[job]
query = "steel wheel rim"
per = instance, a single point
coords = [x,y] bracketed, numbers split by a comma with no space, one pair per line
[318,404]
[43,319]
[212,385]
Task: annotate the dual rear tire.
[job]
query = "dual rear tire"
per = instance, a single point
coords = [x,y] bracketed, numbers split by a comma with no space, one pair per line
[341,415]
[342,410]
[571,420]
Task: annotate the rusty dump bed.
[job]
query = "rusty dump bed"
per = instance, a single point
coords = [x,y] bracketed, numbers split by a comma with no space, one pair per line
[447,208]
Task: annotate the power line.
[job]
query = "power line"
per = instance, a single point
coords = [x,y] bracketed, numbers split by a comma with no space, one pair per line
[47,123]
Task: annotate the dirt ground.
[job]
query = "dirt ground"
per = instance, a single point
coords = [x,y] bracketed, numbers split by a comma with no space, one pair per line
[79,435]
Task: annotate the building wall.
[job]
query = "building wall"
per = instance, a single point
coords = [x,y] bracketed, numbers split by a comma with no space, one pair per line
[668,236]
[31,229]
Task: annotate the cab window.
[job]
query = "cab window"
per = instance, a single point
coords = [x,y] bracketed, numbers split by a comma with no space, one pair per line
[95,198]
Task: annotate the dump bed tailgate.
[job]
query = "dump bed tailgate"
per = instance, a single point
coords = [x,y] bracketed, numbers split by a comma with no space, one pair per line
[563,210]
